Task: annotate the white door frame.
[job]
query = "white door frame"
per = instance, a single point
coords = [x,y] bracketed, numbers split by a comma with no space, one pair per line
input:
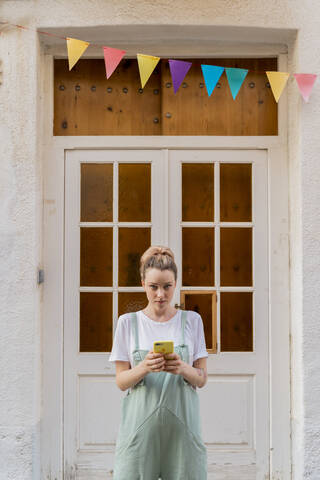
[52,461]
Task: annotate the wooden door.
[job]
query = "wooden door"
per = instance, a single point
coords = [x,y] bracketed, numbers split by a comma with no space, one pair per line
[213,202]
[219,229]
[112,213]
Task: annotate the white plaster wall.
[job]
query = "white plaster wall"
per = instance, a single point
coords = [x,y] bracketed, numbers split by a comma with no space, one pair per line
[20,253]
[21,121]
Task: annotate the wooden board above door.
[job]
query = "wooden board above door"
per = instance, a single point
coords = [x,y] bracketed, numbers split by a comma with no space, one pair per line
[86,103]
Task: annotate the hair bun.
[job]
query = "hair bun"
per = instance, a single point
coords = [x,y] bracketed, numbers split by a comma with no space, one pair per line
[158,256]
[165,251]
[161,251]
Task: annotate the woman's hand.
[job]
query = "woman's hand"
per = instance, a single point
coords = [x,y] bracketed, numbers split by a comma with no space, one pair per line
[173,363]
[153,362]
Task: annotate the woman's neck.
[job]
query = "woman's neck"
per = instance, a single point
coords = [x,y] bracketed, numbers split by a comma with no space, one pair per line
[160,316]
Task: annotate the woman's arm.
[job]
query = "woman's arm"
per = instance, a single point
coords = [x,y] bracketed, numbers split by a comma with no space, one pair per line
[127,377]
[196,374]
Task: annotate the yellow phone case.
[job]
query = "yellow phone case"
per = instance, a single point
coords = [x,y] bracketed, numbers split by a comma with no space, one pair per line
[162,346]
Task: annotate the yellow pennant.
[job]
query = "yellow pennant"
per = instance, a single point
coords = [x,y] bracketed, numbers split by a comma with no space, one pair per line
[147,63]
[75,49]
[277,81]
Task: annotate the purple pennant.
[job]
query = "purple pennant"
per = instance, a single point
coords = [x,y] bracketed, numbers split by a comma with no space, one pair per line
[178,70]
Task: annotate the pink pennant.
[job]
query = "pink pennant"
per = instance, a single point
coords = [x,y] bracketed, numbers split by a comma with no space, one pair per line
[112,58]
[305,83]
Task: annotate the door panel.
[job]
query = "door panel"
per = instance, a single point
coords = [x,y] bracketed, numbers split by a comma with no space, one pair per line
[85,104]
[118,202]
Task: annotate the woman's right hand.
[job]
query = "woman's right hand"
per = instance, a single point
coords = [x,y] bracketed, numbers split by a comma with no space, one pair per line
[154,362]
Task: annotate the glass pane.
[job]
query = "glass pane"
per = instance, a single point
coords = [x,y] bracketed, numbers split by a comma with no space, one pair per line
[134,192]
[202,304]
[236,257]
[95,321]
[235,192]
[96,192]
[131,302]
[132,243]
[236,322]
[198,192]
[198,256]
[96,256]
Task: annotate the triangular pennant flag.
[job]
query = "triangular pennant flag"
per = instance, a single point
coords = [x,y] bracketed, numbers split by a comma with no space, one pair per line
[236,77]
[178,70]
[112,58]
[277,82]
[305,83]
[75,49]
[211,75]
[147,63]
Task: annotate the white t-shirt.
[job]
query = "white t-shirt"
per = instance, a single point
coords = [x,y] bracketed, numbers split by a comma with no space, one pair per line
[150,330]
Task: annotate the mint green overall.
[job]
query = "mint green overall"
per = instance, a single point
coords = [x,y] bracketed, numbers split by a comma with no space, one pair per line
[160,430]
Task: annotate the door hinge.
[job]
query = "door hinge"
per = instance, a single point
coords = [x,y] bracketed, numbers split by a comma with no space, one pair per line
[179,306]
[40,278]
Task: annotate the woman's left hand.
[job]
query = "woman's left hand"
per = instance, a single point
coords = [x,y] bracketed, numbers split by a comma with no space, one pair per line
[173,364]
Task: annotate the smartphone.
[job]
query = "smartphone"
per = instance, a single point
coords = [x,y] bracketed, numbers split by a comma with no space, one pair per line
[163,346]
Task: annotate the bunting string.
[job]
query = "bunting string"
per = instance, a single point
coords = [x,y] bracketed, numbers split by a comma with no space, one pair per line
[179,68]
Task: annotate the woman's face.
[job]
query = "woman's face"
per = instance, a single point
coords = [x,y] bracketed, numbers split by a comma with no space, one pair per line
[159,287]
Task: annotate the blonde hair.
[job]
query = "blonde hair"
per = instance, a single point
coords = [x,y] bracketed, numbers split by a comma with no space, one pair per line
[158,256]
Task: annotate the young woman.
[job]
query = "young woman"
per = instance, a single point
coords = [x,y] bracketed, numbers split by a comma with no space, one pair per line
[160,432]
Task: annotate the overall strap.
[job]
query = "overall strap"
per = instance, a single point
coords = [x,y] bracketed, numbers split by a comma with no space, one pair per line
[135,329]
[183,323]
